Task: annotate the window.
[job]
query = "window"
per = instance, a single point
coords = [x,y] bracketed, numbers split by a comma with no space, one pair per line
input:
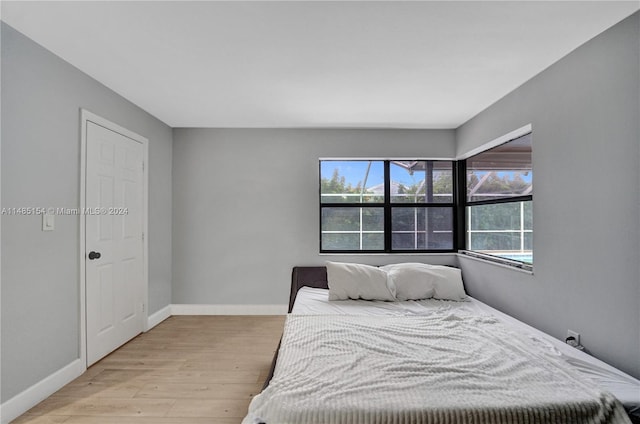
[499,218]
[386,206]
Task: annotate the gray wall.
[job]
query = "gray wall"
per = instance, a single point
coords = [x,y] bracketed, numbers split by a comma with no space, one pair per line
[245,205]
[586,150]
[41,99]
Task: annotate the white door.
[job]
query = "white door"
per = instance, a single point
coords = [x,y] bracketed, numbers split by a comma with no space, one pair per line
[113,240]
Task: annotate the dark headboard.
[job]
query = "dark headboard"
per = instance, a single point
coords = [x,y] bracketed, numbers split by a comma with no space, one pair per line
[310,276]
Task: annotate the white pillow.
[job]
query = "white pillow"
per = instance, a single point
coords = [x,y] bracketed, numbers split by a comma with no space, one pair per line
[358,281]
[415,281]
[448,283]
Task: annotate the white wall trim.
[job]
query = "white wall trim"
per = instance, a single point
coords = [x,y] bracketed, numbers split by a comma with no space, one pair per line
[392,255]
[82,347]
[395,158]
[35,394]
[0,234]
[498,141]
[186,309]
[157,317]
[494,263]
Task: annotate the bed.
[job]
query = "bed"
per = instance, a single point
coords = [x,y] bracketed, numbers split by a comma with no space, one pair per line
[429,361]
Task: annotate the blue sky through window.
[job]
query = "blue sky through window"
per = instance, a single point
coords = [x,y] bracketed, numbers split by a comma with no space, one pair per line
[355,171]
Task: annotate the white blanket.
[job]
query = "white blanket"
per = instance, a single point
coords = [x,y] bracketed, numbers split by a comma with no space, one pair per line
[443,368]
[313,301]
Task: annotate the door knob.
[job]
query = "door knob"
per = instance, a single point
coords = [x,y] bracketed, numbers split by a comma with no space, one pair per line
[94,255]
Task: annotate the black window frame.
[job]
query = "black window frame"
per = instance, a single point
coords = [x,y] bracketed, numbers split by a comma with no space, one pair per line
[387,205]
[464,204]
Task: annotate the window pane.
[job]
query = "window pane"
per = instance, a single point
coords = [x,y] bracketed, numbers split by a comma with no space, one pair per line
[421,228]
[421,181]
[343,181]
[352,228]
[503,229]
[340,242]
[528,241]
[495,243]
[528,215]
[501,172]
[372,241]
[501,216]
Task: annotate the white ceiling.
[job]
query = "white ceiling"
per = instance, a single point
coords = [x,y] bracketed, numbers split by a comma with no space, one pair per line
[380,64]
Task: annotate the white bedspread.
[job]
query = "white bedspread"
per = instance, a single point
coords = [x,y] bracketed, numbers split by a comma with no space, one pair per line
[448,367]
[313,301]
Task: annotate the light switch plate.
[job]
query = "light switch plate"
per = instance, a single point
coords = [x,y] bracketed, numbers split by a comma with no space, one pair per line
[48,222]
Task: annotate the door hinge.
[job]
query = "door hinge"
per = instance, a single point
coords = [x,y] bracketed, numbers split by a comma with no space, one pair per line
[143,307]
[142,236]
[142,166]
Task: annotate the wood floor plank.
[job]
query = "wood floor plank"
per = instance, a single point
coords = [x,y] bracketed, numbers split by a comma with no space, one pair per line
[193,353]
[86,389]
[115,376]
[167,376]
[199,391]
[187,370]
[111,407]
[237,364]
[141,364]
[211,408]
[40,419]
[79,419]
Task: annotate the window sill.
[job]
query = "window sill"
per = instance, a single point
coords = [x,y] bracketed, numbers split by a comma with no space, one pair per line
[387,254]
[497,261]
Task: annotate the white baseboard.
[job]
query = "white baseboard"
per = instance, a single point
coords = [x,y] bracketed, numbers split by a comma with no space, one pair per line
[22,402]
[199,309]
[157,317]
[186,309]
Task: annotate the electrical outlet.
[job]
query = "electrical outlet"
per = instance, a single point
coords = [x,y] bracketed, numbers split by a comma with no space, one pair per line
[575,335]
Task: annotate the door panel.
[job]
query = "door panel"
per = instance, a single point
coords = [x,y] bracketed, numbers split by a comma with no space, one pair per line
[113,227]
[105,222]
[105,285]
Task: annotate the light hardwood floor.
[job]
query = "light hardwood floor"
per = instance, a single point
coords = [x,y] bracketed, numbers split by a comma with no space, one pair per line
[188,369]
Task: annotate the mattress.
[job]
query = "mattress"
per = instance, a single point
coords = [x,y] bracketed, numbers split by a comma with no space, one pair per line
[314,301]
[445,367]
